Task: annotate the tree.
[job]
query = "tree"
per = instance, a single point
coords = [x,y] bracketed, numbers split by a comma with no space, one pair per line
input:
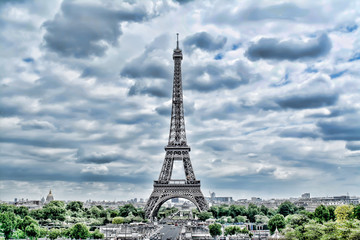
[203,216]
[313,230]
[19,234]
[118,220]
[75,206]
[296,220]
[295,226]
[322,213]
[277,221]
[114,213]
[331,212]
[54,233]
[7,223]
[261,219]
[357,212]
[137,219]
[95,212]
[344,212]
[223,210]
[54,213]
[37,214]
[354,235]
[241,219]
[215,211]
[141,212]
[66,232]
[79,230]
[232,230]
[97,235]
[264,210]
[4,207]
[215,229]
[21,211]
[26,222]
[195,212]
[125,210]
[252,211]
[32,231]
[236,210]
[287,208]
[43,232]
[54,203]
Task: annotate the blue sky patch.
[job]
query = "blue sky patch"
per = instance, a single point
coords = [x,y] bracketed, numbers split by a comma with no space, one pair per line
[219,56]
[28,60]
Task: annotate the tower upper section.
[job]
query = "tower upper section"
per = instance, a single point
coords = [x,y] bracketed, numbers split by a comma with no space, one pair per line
[177,135]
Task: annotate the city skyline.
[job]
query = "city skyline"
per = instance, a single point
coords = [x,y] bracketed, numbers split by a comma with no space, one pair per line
[271,97]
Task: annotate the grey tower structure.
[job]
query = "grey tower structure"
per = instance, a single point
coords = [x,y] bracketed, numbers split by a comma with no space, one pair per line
[165,187]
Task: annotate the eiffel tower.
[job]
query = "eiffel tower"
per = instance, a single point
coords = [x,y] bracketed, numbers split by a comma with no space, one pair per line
[165,187]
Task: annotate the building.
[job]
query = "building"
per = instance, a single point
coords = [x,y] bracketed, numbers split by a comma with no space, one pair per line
[305,195]
[214,199]
[49,197]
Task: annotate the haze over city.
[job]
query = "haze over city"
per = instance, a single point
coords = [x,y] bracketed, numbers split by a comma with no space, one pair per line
[271,97]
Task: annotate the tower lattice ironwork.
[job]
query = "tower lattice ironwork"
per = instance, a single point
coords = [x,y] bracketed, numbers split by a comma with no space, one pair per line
[165,187]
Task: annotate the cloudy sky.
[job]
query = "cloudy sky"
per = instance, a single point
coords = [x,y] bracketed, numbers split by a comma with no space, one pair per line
[271,92]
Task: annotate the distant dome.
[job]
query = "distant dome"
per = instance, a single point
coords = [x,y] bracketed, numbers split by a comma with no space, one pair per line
[49,197]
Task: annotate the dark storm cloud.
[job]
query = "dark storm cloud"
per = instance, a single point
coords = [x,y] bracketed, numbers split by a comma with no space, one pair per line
[347,129]
[94,71]
[39,141]
[163,110]
[218,145]
[313,93]
[136,119]
[152,76]
[203,41]
[308,101]
[263,181]
[214,84]
[335,112]
[147,65]
[353,146]
[36,125]
[275,49]
[298,133]
[139,68]
[217,77]
[100,158]
[79,29]
[183,1]
[287,11]
[143,89]
[284,11]
[48,173]
[3,2]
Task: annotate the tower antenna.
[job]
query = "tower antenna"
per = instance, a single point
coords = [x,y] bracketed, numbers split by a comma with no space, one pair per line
[177,40]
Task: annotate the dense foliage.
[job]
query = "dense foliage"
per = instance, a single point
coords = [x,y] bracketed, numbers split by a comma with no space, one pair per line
[73,220]
[63,220]
[325,223]
[234,230]
[215,229]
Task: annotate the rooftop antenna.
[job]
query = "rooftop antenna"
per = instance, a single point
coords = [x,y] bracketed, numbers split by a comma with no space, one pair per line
[177,40]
